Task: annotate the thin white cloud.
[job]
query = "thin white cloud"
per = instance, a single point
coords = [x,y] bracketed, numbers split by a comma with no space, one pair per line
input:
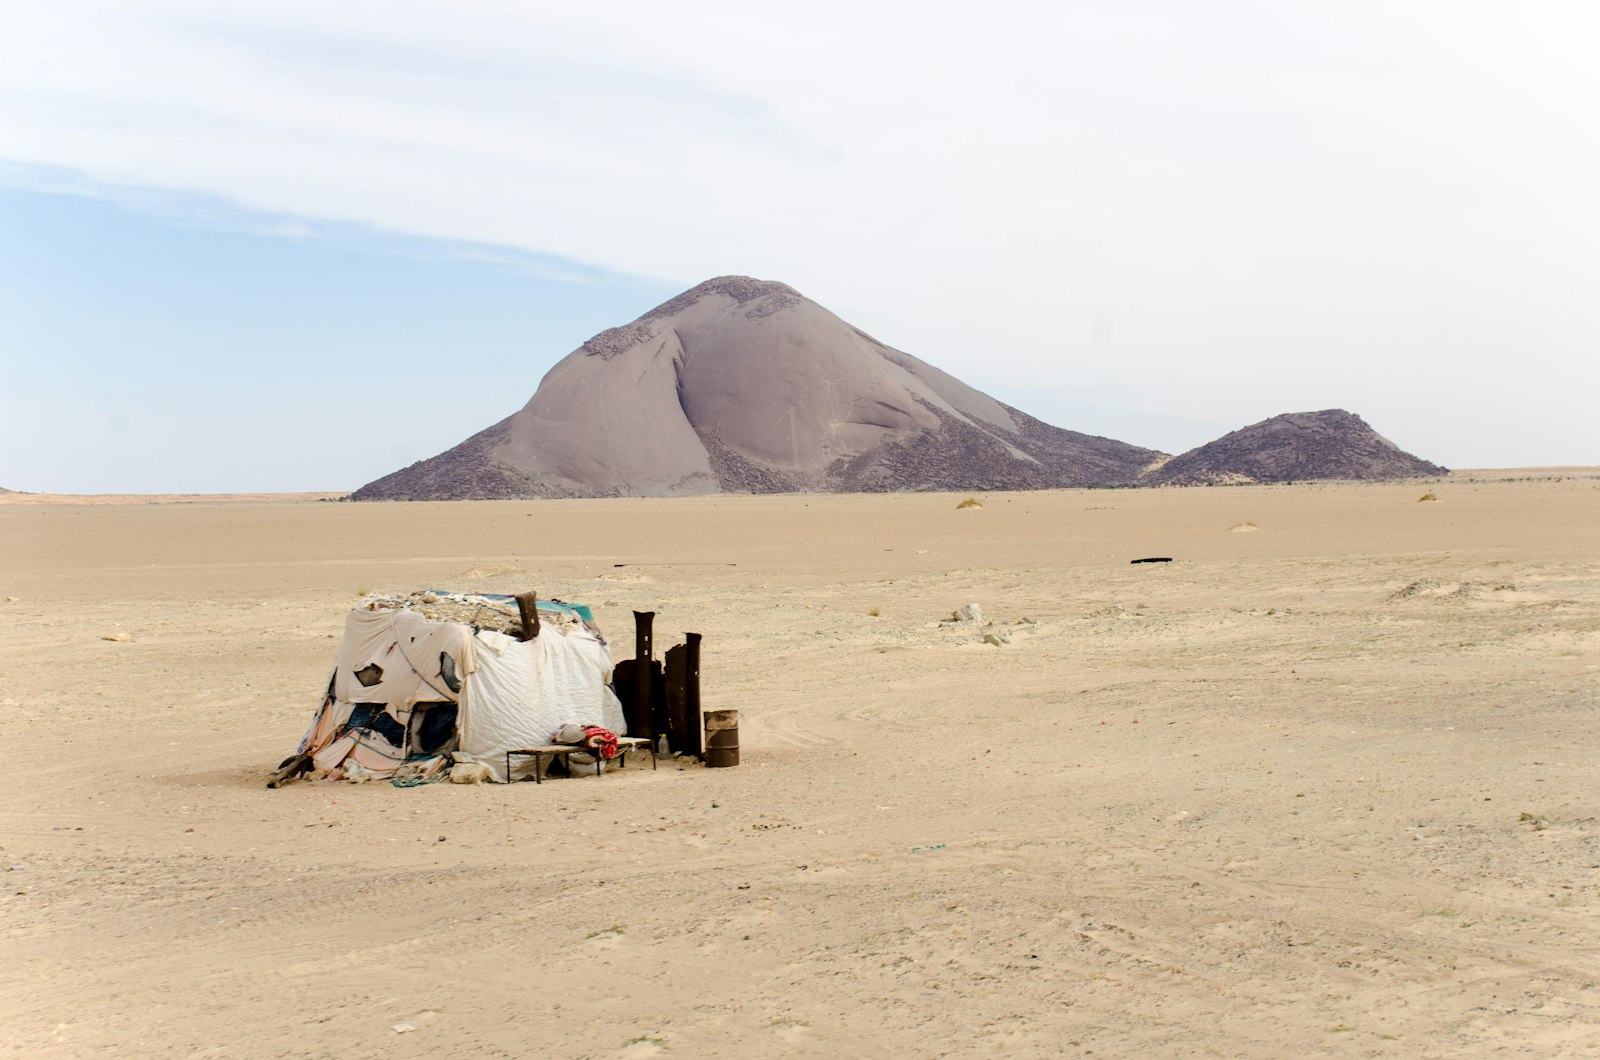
[1216,210]
[207,212]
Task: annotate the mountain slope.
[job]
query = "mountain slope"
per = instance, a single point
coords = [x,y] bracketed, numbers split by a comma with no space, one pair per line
[746,386]
[1294,447]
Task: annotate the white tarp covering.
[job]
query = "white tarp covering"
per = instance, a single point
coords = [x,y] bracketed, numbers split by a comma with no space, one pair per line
[407,647]
[521,692]
[512,694]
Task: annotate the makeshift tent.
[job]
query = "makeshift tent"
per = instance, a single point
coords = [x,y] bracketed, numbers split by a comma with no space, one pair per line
[419,677]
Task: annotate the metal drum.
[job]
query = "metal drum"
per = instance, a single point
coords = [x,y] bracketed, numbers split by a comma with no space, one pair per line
[722,738]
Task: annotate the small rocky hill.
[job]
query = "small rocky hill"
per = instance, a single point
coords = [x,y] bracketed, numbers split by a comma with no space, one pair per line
[747,386]
[1294,447]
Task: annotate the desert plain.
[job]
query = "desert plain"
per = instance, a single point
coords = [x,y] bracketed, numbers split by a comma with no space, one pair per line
[1324,785]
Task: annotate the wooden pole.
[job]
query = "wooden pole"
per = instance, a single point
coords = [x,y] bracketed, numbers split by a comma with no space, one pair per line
[528,606]
[644,674]
[691,689]
[290,771]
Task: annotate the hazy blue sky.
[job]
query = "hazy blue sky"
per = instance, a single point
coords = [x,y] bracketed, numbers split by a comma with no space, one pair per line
[287,245]
[147,351]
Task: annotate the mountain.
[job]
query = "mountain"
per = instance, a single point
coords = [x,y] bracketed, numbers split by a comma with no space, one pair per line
[746,386]
[1294,447]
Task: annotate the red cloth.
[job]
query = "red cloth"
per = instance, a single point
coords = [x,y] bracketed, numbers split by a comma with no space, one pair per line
[602,740]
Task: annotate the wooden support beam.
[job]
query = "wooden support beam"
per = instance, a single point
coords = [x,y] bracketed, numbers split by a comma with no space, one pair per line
[683,697]
[528,607]
[691,689]
[290,771]
[644,673]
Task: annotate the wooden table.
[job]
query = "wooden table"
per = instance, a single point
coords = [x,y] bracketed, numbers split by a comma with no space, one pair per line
[562,750]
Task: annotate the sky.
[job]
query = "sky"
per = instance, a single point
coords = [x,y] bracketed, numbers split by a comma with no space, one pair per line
[250,246]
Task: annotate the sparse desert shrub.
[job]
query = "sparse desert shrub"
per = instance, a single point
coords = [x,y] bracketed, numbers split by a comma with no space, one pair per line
[875,612]
[1429,496]
[970,502]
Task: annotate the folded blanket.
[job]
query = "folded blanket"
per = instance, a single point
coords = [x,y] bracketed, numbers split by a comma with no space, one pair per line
[602,740]
[569,733]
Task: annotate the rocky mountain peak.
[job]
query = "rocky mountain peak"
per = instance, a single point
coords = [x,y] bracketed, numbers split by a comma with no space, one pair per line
[745,385]
[1294,446]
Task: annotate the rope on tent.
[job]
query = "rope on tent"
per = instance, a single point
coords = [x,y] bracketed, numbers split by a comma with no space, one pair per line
[355,735]
[420,676]
[417,782]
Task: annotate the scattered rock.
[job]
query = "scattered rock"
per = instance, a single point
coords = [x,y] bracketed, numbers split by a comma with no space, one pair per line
[1457,592]
[997,637]
[118,637]
[469,773]
[402,1028]
[969,613]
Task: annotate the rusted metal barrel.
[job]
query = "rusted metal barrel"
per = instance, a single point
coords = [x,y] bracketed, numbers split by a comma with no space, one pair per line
[722,738]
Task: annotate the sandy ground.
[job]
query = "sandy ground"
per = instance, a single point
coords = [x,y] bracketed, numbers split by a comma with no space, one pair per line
[1326,785]
[101,499]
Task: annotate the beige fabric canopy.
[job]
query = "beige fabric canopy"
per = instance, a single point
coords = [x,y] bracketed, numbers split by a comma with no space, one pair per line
[396,667]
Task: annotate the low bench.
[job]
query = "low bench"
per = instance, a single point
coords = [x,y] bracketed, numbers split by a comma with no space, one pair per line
[562,750]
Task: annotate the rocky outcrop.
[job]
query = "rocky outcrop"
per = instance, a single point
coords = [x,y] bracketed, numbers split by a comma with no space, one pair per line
[1294,447]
